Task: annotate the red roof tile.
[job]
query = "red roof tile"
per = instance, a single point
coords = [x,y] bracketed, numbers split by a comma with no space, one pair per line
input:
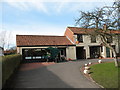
[40,40]
[77,30]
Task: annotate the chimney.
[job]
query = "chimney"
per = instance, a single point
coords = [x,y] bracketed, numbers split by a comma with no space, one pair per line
[104,27]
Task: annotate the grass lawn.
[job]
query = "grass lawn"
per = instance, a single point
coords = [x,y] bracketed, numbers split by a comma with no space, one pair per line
[106,74]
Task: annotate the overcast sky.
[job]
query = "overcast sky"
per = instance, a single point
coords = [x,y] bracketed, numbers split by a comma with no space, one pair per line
[42,17]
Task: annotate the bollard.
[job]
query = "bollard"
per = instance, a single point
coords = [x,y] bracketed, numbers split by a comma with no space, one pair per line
[86,64]
[100,61]
[86,71]
[86,68]
[90,63]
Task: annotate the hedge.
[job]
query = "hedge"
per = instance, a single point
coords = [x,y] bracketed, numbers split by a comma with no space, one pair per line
[9,64]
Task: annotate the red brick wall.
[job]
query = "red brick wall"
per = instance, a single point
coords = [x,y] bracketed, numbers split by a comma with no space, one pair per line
[69,34]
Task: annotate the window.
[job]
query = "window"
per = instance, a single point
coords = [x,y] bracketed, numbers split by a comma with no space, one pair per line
[109,39]
[93,39]
[80,38]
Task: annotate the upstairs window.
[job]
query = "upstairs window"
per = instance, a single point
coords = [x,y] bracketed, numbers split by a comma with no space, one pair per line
[109,39]
[80,38]
[93,39]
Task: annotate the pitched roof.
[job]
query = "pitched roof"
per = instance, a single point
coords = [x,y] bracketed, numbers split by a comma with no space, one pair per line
[77,30]
[40,40]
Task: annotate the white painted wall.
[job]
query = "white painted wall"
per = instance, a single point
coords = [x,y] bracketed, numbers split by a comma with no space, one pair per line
[87,49]
[71,52]
[116,43]
[103,54]
[87,42]
[75,38]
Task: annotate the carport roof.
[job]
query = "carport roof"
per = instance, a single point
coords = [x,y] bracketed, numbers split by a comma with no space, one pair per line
[41,40]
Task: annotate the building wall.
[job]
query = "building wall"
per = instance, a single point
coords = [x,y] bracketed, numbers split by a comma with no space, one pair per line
[116,43]
[71,50]
[87,43]
[69,34]
[18,50]
[71,53]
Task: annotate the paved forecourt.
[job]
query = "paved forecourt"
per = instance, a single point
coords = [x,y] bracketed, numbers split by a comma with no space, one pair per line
[59,75]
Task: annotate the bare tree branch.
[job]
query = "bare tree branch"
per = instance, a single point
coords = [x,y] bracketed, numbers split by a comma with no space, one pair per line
[97,18]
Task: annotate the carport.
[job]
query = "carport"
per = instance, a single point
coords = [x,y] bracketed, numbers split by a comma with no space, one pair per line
[33,47]
[40,54]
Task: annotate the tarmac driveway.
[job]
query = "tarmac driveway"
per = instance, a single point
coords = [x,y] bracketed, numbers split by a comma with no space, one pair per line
[60,75]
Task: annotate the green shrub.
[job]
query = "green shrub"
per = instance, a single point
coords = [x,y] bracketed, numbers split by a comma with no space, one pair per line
[53,52]
[9,64]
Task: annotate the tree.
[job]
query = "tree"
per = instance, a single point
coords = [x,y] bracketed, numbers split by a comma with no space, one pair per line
[117,9]
[97,19]
[2,39]
[53,53]
[8,40]
[5,39]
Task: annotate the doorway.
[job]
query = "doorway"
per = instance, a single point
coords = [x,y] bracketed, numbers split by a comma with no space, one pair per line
[107,52]
[80,53]
[94,51]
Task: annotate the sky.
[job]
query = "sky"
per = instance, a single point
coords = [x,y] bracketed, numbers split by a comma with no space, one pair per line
[42,17]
